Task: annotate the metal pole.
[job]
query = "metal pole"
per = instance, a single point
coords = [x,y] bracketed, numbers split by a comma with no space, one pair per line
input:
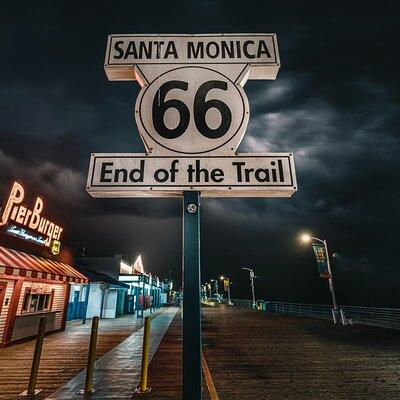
[143,388]
[143,296]
[192,373]
[91,358]
[331,286]
[36,359]
[252,288]
[216,288]
[229,291]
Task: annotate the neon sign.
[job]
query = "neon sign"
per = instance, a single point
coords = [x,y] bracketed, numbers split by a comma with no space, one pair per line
[31,219]
[22,233]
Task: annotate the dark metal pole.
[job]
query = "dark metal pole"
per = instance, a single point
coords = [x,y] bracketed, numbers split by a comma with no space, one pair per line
[192,387]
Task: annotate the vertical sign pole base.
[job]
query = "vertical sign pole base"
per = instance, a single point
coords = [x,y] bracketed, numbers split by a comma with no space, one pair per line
[192,374]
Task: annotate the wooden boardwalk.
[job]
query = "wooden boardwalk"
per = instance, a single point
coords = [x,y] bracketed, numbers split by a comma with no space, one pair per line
[259,357]
[64,355]
[249,355]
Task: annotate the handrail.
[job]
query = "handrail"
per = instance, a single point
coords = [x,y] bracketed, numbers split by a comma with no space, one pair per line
[385,317]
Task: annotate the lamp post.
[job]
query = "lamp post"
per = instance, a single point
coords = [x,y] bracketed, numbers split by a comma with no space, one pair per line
[252,284]
[215,287]
[307,239]
[223,278]
[209,288]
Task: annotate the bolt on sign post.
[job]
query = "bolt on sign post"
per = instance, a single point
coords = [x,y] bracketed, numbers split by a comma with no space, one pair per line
[192,113]
[32,391]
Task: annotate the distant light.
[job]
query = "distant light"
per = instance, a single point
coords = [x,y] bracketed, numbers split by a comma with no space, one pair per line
[222,277]
[306,238]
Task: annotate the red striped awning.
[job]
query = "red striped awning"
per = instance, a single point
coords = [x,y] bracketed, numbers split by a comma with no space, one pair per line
[17,263]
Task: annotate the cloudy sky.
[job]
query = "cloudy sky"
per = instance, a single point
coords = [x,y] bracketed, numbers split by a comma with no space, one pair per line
[335,105]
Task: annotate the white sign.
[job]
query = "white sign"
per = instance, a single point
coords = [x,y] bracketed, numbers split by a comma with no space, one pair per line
[193,110]
[192,99]
[258,50]
[245,175]
[192,113]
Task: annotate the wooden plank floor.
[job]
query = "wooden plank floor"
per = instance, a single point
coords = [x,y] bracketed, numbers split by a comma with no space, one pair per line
[64,355]
[258,357]
[165,370]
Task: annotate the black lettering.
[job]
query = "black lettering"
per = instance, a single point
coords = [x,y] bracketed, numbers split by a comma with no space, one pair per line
[239,166]
[105,171]
[164,177]
[117,48]
[259,177]
[280,168]
[200,171]
[245,49]
[216,49]
[173,170]
[217,175]
[171,50]
[198,52]
[190,172]
[122,171]
[263,49]
[273,170]
[247,173]
[225,50]
[131,50]
[145,50]
[139,171]
[239,51]
[158,48]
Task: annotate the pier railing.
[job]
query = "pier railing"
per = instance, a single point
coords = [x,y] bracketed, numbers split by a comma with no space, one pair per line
[372,316]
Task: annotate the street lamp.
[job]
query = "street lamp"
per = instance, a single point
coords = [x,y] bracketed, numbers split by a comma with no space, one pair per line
[252,284]
[307,238]
[215,287]
[229,288]
[209,288]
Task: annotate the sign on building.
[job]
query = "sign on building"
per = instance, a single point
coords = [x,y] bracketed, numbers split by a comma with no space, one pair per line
[27,222]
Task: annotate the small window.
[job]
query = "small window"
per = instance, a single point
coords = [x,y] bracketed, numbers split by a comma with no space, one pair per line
[36,302]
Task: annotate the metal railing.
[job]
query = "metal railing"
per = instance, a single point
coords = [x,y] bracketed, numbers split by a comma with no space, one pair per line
[372,316]
[302,310]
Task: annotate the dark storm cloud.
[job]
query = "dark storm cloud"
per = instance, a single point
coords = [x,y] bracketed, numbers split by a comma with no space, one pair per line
[335,105]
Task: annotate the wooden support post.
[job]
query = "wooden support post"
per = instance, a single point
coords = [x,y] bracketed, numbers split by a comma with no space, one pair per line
[91,359]
[32,391]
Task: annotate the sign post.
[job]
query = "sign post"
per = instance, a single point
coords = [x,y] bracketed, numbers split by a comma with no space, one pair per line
[192,376]
[192,113]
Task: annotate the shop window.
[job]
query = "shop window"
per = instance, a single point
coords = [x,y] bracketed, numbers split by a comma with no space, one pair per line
[34,302]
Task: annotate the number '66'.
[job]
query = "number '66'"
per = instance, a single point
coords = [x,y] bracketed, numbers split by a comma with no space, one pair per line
[200,108]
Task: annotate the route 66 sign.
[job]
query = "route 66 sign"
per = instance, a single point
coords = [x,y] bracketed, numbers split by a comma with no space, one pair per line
[193,85]
[192,113]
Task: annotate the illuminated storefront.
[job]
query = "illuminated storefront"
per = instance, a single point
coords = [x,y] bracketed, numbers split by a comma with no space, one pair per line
[36,270]
[144,289]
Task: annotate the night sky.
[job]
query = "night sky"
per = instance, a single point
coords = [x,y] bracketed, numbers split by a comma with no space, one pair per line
[335,105]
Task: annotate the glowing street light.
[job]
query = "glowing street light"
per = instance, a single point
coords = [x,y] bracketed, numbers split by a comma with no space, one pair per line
[224,278]
[252,275]
[307,238]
